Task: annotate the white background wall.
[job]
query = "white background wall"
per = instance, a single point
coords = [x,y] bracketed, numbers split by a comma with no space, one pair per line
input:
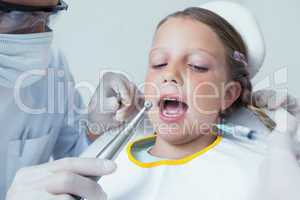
[98,34]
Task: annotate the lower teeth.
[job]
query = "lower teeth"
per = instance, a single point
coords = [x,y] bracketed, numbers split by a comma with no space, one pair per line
[172,108]
[170,113]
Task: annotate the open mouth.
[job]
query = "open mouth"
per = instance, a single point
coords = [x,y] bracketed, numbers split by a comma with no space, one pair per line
[172,109]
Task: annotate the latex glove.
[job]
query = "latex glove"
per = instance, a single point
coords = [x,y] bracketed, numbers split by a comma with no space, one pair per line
[58,179]
[115,101]
[280,171]
[273,100]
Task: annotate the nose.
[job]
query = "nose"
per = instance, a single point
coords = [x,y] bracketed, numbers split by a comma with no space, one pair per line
[172,75]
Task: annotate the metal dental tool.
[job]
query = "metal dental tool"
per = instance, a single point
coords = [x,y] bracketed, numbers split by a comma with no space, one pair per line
[109,145]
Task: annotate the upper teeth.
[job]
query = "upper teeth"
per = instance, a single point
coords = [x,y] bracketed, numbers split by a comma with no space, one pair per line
[169,99]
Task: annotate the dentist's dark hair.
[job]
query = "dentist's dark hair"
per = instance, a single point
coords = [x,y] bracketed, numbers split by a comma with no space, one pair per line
[232,42]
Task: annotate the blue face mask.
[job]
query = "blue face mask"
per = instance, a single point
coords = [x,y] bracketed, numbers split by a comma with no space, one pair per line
[24,58]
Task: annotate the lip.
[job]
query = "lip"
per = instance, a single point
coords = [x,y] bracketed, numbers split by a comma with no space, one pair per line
[174,118]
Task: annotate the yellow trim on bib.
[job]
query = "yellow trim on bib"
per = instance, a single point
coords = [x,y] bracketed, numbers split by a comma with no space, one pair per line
[167,162]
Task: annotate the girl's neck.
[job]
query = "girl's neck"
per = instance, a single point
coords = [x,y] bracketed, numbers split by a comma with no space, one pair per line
[164,149]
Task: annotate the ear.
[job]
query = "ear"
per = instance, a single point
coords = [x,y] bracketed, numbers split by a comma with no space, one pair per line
[232,92]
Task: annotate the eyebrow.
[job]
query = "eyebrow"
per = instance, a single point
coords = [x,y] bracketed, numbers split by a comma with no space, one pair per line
[202,50]
[156,49]
[190,51]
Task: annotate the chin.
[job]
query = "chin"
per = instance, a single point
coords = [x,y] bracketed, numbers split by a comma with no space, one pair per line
[175,134]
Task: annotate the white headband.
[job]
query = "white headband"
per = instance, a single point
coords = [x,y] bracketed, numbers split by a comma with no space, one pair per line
[245,24]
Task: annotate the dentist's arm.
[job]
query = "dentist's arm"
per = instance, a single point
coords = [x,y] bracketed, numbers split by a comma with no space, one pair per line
[280,171]
[60,180]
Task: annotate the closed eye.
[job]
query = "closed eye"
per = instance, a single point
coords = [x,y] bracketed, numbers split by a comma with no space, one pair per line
[159,66]
[198,68]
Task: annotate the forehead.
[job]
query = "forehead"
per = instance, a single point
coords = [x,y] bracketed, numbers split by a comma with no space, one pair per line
[185,33]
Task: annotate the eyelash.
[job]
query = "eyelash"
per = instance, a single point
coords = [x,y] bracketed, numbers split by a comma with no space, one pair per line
[198,68]
[159,66]
[194,67]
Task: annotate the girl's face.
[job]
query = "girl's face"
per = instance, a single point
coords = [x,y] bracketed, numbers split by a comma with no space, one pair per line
[187,80]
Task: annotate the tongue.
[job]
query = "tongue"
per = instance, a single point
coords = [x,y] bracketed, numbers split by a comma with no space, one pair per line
[173,108]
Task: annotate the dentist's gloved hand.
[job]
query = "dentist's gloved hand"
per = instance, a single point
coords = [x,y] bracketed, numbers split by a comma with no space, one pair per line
[280,171]
[273,100]
[60,179]
[115,101]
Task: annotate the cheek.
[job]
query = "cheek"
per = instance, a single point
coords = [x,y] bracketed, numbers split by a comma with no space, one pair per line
[206,96]
[151,89]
